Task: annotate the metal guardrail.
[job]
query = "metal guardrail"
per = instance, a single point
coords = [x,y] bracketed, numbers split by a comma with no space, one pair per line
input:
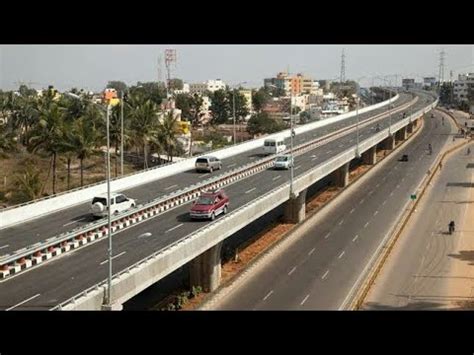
[124,176]
[127,270]
[196,188]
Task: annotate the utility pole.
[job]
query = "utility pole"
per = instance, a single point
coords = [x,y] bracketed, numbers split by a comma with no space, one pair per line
[343,67]
[441,69]
[121,134]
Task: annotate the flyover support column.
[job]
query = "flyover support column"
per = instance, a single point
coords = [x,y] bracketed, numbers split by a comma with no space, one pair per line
[205,269]
[295,208]
[341,176]
[369,157]
[402,134]
[410,128]
[389,143]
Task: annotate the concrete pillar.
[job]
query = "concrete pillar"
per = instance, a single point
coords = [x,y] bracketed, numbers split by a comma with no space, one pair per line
[389,143]
[341,176]
[402,133]
[410,128]
[295,208]
[370,157]
[205,269]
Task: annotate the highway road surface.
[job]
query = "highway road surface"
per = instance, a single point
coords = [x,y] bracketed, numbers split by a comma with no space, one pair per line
[318,270]
[65,220]
[421,272]
[49,284]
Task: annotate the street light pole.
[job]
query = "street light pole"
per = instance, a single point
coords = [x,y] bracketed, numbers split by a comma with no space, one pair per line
[233,110]
[109,229]
[291,143]
[121,135]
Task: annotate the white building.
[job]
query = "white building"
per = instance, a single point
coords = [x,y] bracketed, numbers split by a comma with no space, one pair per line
[210,85]
[461,86]
[184,90]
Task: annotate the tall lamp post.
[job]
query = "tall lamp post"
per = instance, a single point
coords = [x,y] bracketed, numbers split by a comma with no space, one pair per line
[121,133]
[109,217]
[389,102]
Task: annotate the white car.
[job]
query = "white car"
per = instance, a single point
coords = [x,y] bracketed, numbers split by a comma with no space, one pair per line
[119,203]
[283,162]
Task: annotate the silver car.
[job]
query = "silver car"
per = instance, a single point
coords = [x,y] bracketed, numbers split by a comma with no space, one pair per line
[283,162]
[208,164]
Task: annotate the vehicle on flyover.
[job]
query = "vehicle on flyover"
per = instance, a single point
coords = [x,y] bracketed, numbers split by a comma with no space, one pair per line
[209,205]
[119,203]
[208,163]
[283,162]
[274,145]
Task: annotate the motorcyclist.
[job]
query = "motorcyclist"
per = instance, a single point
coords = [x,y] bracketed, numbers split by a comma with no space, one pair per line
[451,227]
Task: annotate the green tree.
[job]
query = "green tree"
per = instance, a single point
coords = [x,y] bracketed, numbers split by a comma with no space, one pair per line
[47,136]
[153,91]
[7,141]
[28,182]
[220,107]
[25,91]
[190,105]
[261,123]
[176,84]
[118,85]
[241,109]
[82,140]
[165,136]
[143,125]
[260,99]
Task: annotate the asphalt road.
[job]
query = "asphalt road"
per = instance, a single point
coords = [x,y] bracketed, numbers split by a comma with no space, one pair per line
[56,281]
[25,234]
[416,275]
[318,270]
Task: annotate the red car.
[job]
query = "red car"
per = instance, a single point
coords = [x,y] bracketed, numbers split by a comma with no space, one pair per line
[209,205]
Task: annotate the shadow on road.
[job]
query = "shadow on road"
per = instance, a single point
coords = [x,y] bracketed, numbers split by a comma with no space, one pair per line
[464,255]
[460,184]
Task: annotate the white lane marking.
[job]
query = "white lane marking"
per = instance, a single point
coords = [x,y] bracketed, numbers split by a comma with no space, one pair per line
[311,251]
[204,175]
[175,227]
[384,178]
[375,213]
[340,255]
[292,271]
[341,145]
[377,185]
[5,246]
[384,202]
[329,151]
[297,167]
[113,257]
[22,302]
[327,235]
[250,190]
[276,177]
[371,192]
[398,186]
[352,211]
[325,274]
[391,193]
[231,165]
[268,295]
[76,221]
[169,187]
[365,225]
[302,302]
[144,235]
[342,221]
[355,238]
[361,202]
[314,158]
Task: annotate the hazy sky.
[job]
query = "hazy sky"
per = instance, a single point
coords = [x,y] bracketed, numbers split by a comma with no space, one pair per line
[91,66]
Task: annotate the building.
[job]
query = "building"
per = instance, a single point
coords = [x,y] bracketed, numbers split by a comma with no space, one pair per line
[461,87]
[184,90]
[408,84]
[210,85]
[110,97]
[276,108]
[429,82]
[247,94]
[294,84]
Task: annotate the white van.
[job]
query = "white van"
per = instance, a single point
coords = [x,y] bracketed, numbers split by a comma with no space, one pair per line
[274,145]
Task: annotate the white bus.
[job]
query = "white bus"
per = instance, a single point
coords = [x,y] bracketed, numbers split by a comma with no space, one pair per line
[274,145]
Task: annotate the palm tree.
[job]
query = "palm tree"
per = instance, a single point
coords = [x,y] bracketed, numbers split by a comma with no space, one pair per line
[47,135]
[82,140]
[28,182]
[166,135]
[143,125]
[7,141]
